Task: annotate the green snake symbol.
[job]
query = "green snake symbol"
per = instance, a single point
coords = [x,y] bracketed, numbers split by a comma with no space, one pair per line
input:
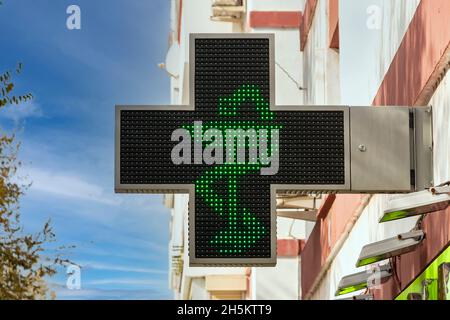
[244,228]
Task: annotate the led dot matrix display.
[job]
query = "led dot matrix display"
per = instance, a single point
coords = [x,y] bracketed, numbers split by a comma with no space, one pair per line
[233,223]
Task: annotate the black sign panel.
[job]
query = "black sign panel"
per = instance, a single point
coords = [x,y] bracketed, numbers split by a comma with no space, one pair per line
[229,149]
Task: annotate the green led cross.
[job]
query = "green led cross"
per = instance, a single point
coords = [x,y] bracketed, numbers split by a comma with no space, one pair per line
[231,149]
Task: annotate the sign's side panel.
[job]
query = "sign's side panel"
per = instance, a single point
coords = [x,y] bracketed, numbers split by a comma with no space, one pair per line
[423,147]
[381,149]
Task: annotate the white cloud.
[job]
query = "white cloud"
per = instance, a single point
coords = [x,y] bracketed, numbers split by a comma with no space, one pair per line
[22,111]
[115,267]
[127,281]
[131,253]
[69,185]
[128,240]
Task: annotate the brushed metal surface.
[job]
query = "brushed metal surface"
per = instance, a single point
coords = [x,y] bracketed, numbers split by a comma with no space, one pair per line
[423,147]
[380,149]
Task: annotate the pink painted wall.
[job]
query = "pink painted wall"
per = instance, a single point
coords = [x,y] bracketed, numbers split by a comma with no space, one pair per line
[332,219]
[333,23]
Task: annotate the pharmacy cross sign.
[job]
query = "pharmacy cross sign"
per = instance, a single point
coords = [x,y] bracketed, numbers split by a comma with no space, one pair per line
[231,149]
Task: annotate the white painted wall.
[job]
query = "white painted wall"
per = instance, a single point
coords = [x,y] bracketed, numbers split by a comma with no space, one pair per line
[321,64]
[281,282]
[288,65]
[198,291]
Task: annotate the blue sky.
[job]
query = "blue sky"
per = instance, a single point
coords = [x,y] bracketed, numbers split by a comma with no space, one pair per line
[67,135]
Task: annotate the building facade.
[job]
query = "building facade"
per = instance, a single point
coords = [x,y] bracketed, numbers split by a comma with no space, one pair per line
[328,52]
[388,53]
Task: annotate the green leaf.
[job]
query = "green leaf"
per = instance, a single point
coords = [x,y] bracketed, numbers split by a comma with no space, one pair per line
[9,87]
